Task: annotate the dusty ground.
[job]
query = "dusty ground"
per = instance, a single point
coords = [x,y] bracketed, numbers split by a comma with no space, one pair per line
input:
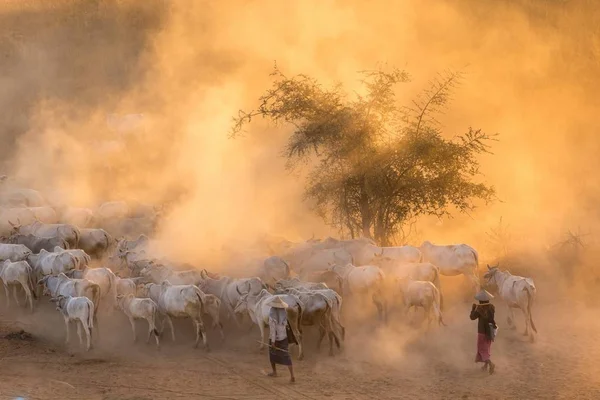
[400,361]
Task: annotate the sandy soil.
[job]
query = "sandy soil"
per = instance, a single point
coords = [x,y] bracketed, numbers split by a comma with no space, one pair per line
[401,361]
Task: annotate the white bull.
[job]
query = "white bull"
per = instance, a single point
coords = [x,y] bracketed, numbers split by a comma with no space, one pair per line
[95,242]
[14,252]
[62,285]
[415,271]
[274,269]
[77,309]
[135,308]
[321,260]
[45,214]
[517,292]
[365,280]
[230,290]
[14,274]
[422,294]
[69,233]
[319,310]
[179,301]
[452,260]
[83,259]
[112,210]
[104,278]
[259,310]
[80,217]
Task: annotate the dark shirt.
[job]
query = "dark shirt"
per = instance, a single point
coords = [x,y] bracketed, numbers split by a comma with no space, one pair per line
[485,314]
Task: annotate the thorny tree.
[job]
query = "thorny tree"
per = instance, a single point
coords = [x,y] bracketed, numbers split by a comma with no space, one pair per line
[373,166]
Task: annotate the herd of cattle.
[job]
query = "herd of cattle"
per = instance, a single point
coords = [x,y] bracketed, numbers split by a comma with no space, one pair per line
[49,251]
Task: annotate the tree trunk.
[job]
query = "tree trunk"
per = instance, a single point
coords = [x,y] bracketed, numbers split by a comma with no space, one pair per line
[365,213]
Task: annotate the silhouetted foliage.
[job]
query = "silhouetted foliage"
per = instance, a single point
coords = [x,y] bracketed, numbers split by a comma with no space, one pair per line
[378,165]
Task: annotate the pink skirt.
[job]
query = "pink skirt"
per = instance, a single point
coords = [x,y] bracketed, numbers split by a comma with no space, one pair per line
[483,348]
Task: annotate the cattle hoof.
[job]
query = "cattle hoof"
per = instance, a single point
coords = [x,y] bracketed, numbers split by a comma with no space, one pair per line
[207,349]
[301,357]
[331,354]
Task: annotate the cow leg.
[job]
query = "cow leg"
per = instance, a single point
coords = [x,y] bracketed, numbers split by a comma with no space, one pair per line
[261,327]
[67,325]
[88,336]
[6,289]
[221,331]
[511,318]
[298,335]
[79,325]
[168,319]
[28,296]
[322,334]
[379,304]
[200,332]
[14,291]
[132,322]
[526,333]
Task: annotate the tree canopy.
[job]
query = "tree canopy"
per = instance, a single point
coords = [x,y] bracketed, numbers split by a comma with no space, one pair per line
[373,164]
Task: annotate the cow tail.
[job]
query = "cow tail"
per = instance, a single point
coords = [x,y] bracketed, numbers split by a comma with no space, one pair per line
[529,290]
[154,330]
[91,313]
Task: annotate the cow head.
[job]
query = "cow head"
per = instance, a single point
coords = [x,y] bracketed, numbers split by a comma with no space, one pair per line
[16,228]
[491,273]
[242,304]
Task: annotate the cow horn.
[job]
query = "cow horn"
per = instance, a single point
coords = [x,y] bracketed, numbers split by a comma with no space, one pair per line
[11,224]
[238,290]
[488,265]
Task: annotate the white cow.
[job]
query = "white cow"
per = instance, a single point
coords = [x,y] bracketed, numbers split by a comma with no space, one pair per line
[80,217]
[415,271]
[273,269]
[259,310]
[62,285]
[14,252]
[83,259]
[452,260]
[77,309]
[95,242]
[230,290]
[104,278]
[112,210]
[135,308]
[45,214]
[69,233]
[319,310]
[365,280]
[422,294]
[517,292]
[321,260]
[14,274]
[179,301]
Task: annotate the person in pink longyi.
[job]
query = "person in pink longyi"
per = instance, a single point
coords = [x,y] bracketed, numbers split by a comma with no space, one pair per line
[486,325]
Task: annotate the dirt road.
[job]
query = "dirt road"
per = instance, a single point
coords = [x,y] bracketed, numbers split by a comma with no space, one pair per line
[401,361]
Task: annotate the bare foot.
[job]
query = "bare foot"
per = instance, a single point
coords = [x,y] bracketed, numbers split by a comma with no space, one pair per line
[492,368]
[272,374]
[292,380]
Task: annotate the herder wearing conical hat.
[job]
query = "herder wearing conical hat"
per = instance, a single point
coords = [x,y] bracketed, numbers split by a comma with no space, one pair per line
[278,337]
[486,328]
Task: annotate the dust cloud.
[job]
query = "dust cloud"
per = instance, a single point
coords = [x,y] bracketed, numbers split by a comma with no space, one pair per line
[530,76]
